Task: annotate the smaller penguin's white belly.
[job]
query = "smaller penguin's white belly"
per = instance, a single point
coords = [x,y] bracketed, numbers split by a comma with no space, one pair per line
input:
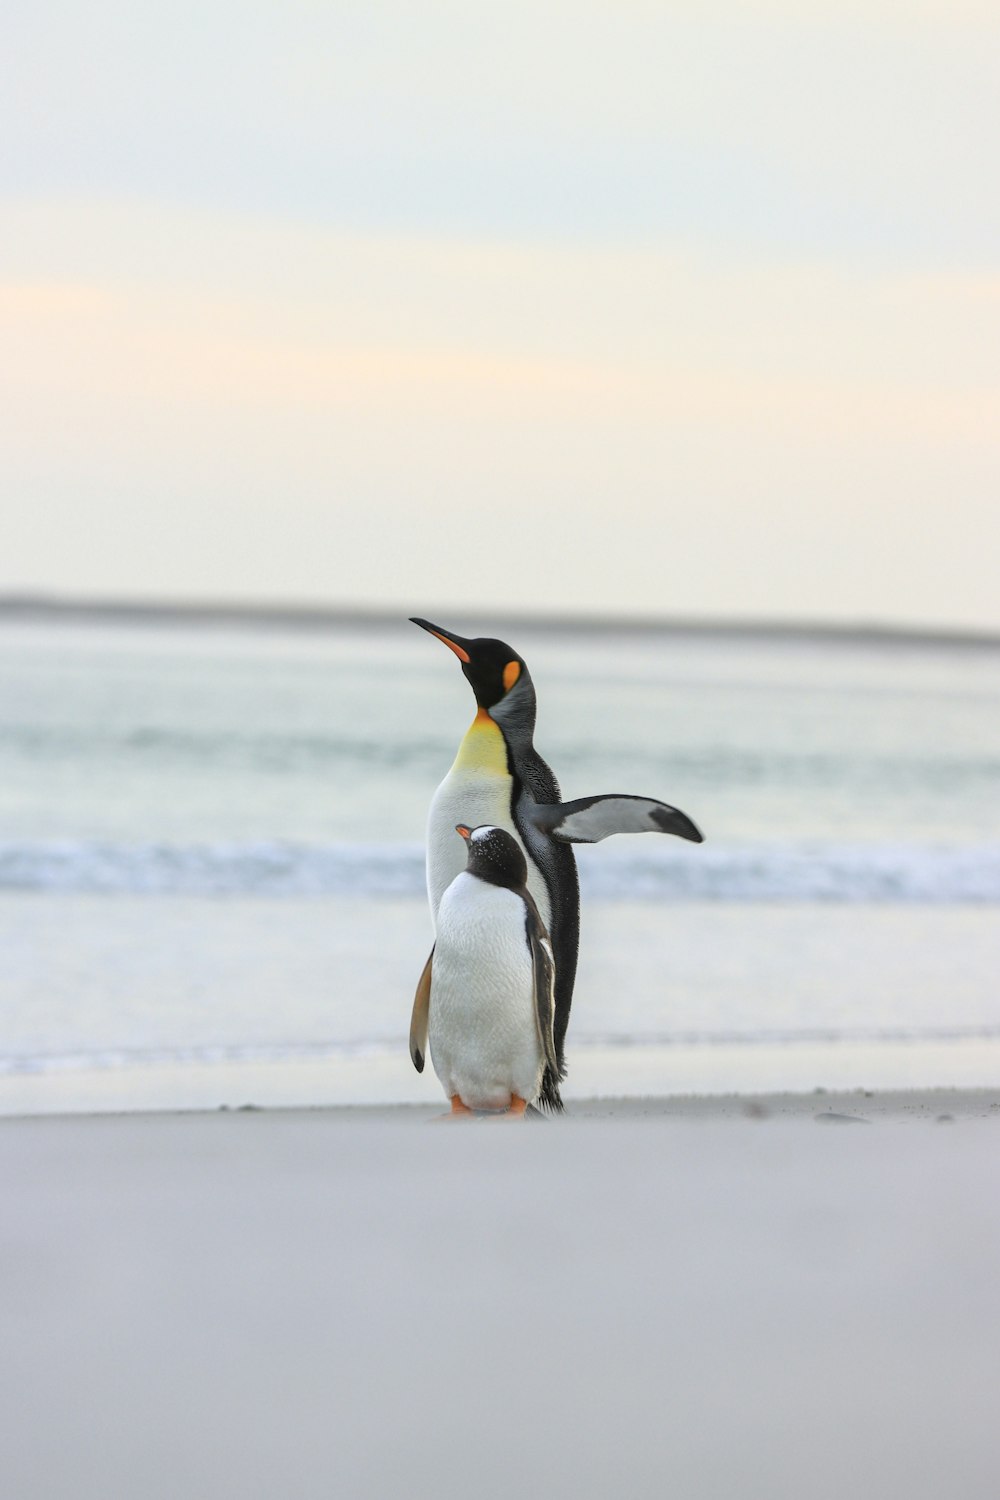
[483,1033]
[472,798]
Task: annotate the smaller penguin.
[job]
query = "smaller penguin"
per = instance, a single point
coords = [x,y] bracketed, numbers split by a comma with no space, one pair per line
[486,995]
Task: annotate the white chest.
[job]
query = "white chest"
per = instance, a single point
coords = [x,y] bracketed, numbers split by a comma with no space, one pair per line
[463,797]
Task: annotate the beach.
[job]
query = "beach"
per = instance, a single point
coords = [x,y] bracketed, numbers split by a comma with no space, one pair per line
[773,1295]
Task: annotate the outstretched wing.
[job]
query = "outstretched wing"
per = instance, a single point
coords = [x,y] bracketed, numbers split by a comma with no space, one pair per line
[421,1011]
[544,968]
[590,819]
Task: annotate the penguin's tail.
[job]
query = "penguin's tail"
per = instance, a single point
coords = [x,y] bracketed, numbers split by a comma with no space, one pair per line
[549,1097]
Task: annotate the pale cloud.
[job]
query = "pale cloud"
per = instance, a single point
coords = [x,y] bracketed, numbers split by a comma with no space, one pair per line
[292,413]
[254,315]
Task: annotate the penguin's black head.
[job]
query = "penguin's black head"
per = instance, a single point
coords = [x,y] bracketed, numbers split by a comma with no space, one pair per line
[493,668]
[494,855]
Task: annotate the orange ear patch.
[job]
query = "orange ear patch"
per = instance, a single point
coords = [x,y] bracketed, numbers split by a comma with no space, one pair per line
[511,673]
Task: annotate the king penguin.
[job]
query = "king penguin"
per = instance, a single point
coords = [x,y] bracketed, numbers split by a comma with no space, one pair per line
[486,998]
[499,778]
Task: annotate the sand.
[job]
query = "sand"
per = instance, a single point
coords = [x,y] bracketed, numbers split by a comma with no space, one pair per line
[785,1296]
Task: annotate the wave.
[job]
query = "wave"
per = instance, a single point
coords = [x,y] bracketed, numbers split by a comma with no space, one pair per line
[112,1058]
[281,753]
[814,872]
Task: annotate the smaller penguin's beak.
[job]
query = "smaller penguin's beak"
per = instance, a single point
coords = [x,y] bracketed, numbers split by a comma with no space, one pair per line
[456,643]
[464,830]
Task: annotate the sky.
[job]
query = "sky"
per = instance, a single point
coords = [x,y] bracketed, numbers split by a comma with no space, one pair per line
[663,309]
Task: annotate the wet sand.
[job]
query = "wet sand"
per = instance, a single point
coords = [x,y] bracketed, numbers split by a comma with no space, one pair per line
[775,1296]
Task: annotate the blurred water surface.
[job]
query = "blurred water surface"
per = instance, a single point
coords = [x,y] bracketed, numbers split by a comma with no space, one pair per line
[211,843]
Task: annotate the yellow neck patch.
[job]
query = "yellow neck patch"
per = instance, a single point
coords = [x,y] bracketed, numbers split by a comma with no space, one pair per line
[483,749]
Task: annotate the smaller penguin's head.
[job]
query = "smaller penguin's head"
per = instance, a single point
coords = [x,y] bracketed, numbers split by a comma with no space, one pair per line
[493,668]
[494,855]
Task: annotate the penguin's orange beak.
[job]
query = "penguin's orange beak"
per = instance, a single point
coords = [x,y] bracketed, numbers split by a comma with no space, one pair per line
[456,643]
[464,830]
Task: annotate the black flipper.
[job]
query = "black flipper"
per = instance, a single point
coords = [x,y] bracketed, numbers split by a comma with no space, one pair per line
[419,1018]
[590,819]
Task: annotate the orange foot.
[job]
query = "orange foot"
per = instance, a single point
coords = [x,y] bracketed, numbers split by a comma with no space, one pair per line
[512,1111]
[458,1109]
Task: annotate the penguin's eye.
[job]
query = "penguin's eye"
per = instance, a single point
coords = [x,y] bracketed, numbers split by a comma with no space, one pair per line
[511,673]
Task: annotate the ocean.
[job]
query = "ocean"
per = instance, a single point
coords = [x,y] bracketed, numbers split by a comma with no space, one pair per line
[211,882]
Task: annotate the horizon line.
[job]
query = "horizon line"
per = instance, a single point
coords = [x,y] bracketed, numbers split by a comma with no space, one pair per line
[40,605]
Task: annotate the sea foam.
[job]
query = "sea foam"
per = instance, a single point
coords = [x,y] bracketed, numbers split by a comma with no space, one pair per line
[771,872]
